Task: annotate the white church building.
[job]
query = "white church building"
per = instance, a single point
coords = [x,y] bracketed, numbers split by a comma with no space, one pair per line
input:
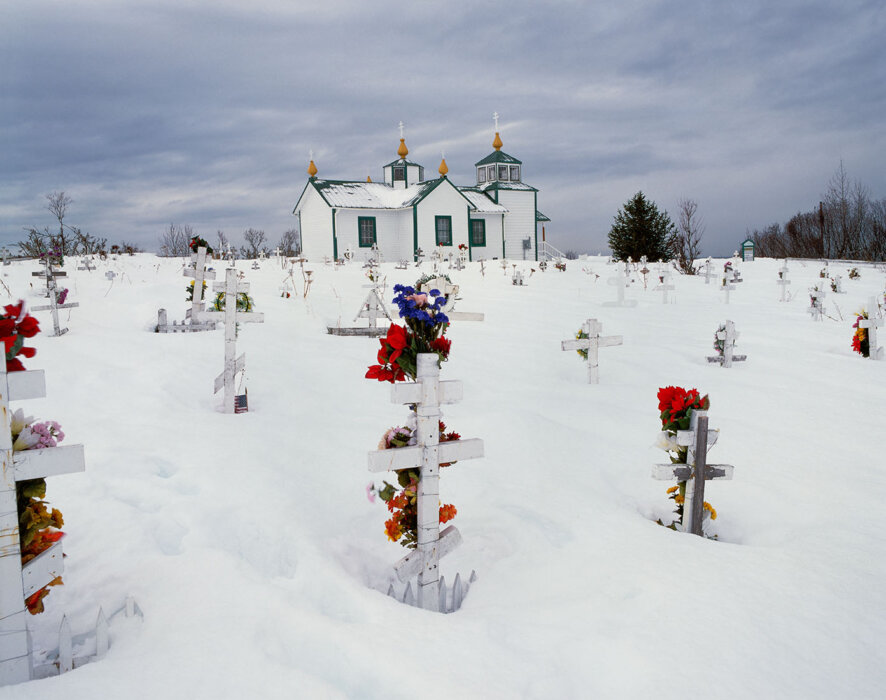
[497,217]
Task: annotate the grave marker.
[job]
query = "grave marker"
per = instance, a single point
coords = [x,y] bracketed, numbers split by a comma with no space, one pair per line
[783,280]
[664,285]
[816,303]
[592,328]
[231,317]
[871,324]
[427,394]
[708,270]
[697,439]
[726,286]
[621,281]
[728,335]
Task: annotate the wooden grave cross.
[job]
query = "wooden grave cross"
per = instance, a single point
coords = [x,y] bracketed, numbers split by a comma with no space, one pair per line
[871,323]
[593,328]
[697,439]
[427,394]
[18,581]
[726,286]
[450,291]
[86,264]
[199,274]
[783,280]
[816,303]
[708,270]
[52,292]
[373,307]
[837,285]
[49,275]
[620,281]
[231,317]
[728,336]
[664,285]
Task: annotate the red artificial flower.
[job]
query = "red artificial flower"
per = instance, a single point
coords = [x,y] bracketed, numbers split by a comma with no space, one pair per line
[29,327]
[14,365]
[447,513]
[441,345]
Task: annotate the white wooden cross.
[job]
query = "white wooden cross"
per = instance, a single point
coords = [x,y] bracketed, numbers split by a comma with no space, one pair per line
[621,281]
[592,328]
[231,317]
[373,308]
[816,303]
[871,323]
[697,439]
[86,264]
[783,280]
[53,306]
[837,285]
[49,275]
[728,336]
[708,270]
[17,581]
[427,393]
[664,285]
[277,252]
[726,286]
[450,291]
[198,273]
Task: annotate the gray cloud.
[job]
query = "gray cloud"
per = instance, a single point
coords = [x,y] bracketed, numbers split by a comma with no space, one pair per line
[204,113]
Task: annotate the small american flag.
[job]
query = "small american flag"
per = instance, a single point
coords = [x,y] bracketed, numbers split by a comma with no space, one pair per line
[240,404]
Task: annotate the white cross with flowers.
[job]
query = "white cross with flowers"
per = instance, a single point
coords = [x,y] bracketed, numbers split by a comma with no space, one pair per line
[871,323]
[697,440]
[664,286]
[816,302]
[231,317]
[199,274]
[20,581]
[54,302]
[427,394]
[728,335]
[592,328]
[726,286]
[708,270]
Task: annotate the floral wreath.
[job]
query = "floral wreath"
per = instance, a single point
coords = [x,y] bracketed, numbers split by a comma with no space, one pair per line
[190,290]
[244,301]
[54,256]
[197,242]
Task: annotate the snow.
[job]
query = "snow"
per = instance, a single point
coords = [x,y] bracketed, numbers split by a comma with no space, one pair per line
[248,541]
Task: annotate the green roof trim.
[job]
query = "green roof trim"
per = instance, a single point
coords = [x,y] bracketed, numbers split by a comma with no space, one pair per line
[435,183]
[498,157]
[502,185]
[540,217]
[400,161]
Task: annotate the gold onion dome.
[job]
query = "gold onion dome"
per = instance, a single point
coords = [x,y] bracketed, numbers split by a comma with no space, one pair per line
[402,151]
[443,169]
[497,144]
[312,169]
[369,178]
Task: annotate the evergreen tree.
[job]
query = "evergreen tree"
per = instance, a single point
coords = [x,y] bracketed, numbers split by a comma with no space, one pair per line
[641,229]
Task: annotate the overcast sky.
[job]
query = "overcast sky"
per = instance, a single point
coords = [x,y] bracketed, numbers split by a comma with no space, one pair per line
[203,113]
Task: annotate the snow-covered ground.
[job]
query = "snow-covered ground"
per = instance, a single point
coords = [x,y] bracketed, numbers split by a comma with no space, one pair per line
[260,565]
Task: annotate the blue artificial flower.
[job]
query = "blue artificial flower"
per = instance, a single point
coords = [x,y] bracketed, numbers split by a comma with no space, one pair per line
[435,292]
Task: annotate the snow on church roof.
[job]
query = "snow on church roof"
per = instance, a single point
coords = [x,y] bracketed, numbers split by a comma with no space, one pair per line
[481,202]
[370,195]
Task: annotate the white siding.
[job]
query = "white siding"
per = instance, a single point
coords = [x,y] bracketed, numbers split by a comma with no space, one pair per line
[492,249]
[444,200]
[315,221]
[519,223]
[393,232]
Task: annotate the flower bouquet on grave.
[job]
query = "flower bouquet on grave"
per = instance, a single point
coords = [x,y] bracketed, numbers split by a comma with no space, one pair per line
[424,331]
[582,335]
[54,256]
[401,501]
[196,242]
[39,527]
[823,273]
[61,296]
[190,291]
[854,274]
[860,342]
[675,405]
[16,324]
[720,343]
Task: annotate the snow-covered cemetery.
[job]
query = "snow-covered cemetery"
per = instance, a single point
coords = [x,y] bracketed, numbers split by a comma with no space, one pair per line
[282,523]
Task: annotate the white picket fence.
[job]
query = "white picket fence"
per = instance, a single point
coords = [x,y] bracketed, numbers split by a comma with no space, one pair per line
[450,597]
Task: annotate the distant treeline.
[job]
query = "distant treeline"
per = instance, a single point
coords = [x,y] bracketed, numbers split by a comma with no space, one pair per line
[847,225]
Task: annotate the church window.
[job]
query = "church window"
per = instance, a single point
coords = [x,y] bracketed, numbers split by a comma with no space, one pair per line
[502,172]
[478,232]
[481,174]
[490,173]
[443,225]
[399,173]
[515,173]
[366,231]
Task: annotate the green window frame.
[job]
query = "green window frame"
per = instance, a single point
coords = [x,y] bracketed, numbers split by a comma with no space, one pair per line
[478,232]
[443,230]
[366,231]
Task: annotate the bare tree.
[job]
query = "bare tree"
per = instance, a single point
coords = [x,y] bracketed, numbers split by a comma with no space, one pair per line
[58,207]
[290,243]
[254,239]
[690,229]
[174,241]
